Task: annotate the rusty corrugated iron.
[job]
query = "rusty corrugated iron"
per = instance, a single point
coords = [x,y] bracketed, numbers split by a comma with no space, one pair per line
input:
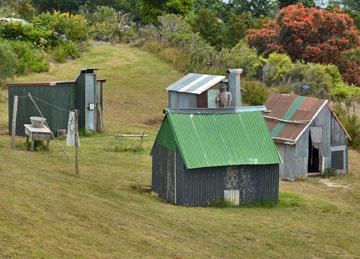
[279,104]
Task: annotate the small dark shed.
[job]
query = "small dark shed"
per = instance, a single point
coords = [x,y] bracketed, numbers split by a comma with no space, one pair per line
[308,135]
[56,99]
[204,157]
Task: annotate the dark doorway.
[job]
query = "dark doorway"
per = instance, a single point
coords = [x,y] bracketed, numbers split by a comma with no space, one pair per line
[314,158]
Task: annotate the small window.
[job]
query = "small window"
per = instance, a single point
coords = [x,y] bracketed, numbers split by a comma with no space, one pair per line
[337,160]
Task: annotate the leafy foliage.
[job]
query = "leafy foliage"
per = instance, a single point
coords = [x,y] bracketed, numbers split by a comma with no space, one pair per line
[349,64]
[309,34]
[307,3]
[108,24]
[258,8]
[18,31]
[255,92]
[8,62]
[63,26]
[149,10]
[29,58]
[277,68]
[247,59]
[210,27]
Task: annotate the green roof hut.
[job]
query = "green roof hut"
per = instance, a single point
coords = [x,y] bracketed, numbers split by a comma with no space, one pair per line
[204,156]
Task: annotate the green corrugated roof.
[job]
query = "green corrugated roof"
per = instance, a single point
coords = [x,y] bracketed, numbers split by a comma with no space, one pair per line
[209,140]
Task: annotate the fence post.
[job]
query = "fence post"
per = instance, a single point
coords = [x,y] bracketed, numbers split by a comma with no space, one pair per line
[13,123]
[77,174]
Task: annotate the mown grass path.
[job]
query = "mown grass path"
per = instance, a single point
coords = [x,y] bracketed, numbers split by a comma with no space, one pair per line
[46,212]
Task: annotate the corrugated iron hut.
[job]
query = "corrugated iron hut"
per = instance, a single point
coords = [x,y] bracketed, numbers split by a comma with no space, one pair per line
[56,99]
[308,135]
[200,90]
[201,157]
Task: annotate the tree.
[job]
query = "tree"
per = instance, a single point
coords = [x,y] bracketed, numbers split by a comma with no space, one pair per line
[58,5]
[307,3]
[349,65]
[352,4]
[237,26]
[221,8]
[149,10]
[210,27]
[258,8]
[308,34]
[8,63]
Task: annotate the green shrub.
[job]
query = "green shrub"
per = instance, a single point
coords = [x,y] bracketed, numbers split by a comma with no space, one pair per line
[60,54]
[255,92]
[351,123]
[277,69]
[245,58]
[63,27]
[30,59]
[8,62]
[67,50]
[18,31]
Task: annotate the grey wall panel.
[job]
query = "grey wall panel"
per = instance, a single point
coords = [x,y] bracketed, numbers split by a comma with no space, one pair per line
[324,120]
[204,186]
[179,100]
[48,99]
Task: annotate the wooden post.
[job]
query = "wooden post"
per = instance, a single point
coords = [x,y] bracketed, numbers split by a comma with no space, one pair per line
[13,123]
[142,139]
[117,142]
[76,140]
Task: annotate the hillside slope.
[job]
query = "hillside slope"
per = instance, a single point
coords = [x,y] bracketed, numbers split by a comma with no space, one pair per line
[46,212]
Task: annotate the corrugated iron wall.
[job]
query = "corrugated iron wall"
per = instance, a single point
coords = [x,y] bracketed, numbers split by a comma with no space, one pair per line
[200,187]
[60,95]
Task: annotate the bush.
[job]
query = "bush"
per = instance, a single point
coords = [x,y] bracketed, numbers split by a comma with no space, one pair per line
[67,50]
[245,58]
[63,27]
[351,123]
[18,31]
[349,64]
[254,92]
[29,58]
[277,69]
[8,62]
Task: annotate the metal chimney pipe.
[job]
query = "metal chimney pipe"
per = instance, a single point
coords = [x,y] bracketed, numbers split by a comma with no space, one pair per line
[235,86]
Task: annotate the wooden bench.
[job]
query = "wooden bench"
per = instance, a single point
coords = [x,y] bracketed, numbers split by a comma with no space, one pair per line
[119,135]
[37,134]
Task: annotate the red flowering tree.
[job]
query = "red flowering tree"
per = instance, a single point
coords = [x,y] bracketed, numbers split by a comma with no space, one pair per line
[308,34]
[349,65]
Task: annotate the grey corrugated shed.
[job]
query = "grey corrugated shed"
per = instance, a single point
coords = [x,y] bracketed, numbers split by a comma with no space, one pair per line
[195,83]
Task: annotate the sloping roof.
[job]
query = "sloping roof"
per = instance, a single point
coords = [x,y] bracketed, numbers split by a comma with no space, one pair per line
[289,116]
[195,83]
[211,140]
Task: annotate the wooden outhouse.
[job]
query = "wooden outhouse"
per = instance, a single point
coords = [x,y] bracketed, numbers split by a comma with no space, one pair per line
[56,99]
[308,135]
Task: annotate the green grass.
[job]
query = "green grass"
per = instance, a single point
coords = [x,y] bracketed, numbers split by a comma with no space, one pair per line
[46,212]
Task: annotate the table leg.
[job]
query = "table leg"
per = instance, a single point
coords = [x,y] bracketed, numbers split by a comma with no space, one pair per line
[27,142]
[47,145]
[32,145]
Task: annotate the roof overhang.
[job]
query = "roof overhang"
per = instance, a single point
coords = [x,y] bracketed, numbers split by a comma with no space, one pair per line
[260,108]
[195,83]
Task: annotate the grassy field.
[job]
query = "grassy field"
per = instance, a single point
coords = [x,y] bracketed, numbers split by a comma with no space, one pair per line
[46,212]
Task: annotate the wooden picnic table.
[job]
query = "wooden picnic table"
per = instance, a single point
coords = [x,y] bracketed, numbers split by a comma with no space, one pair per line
[37,134]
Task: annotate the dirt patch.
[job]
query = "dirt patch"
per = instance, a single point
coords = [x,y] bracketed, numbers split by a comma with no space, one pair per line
[332,184]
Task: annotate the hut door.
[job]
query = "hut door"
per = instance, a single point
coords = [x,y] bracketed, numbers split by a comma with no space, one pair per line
[314,151]
[231,192]
[90,113]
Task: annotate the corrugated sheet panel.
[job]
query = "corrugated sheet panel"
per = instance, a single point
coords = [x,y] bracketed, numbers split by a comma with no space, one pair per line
[209,140]
[195,83]
[292,108]
[48,99]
